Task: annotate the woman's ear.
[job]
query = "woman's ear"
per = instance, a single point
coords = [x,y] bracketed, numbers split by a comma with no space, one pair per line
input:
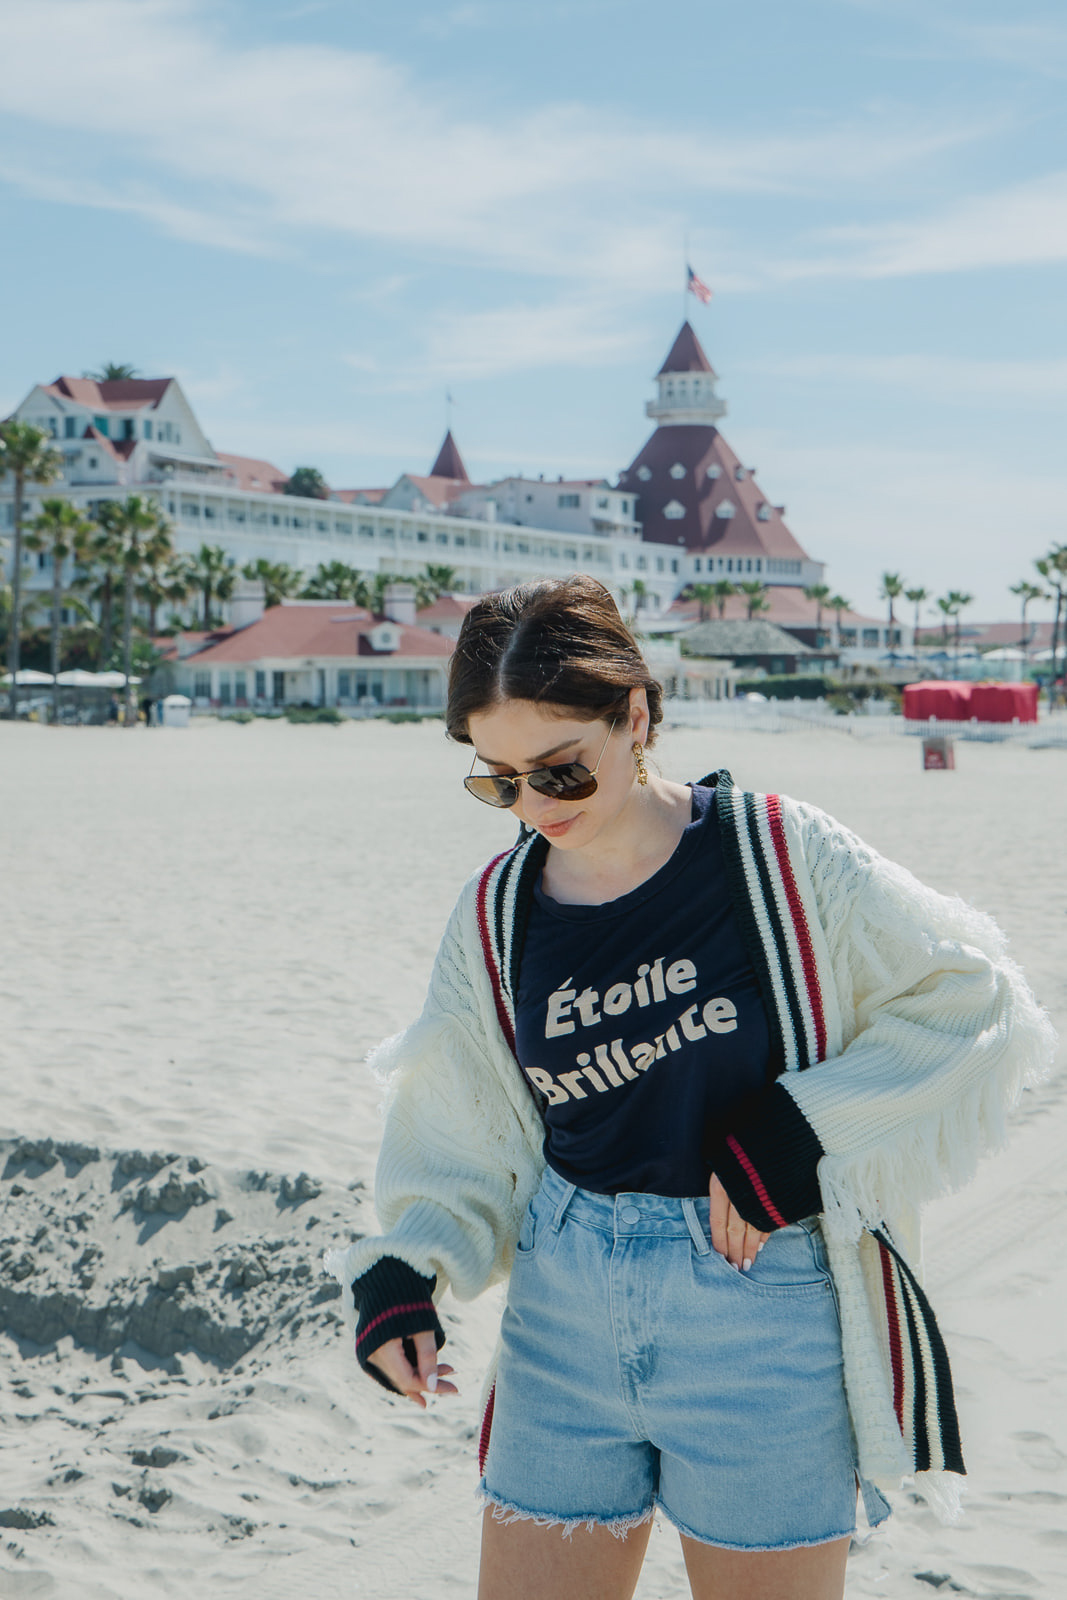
[639,718]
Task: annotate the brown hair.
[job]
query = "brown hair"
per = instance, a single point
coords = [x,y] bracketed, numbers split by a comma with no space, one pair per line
[561,643]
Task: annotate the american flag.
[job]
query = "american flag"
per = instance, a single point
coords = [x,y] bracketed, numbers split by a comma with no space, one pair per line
[697,286]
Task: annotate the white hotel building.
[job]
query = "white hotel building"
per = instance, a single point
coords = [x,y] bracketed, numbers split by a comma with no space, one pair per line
[685,509]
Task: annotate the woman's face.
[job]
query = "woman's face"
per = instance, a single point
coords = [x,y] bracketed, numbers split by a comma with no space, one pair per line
[519,735]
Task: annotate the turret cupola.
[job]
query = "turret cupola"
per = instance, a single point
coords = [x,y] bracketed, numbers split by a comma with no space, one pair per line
[686,386]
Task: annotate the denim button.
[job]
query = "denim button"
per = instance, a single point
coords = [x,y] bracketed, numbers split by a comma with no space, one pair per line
[629,1214]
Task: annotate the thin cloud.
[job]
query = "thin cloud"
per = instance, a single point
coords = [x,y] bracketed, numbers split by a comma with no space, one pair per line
[953,378]
[273,144]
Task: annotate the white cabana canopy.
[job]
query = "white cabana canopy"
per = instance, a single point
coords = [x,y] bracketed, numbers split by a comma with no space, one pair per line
[1006,654]
[113,680]
[27,675]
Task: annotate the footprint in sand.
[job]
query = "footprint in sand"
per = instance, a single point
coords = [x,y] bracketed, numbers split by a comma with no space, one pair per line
[1037,1450]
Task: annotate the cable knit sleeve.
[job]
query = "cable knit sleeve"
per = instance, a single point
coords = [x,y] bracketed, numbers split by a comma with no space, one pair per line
[940,1033]
[460,1154]
[931,1034]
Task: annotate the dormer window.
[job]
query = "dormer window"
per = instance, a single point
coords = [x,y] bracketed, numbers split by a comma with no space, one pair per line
[677,471]
[714,471]
[739,474]
[644,474]
[726,510]
[674,510]
[763,513]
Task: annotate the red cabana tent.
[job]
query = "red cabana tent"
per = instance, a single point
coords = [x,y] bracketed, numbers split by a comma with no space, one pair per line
[947,700]
[1004,702]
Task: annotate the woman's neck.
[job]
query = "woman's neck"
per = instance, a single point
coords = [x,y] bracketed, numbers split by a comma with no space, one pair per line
[642,838]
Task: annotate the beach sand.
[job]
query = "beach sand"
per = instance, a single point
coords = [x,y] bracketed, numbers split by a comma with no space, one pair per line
[203,932]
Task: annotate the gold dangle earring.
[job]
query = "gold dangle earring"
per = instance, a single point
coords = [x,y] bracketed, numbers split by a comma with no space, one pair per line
[639,762]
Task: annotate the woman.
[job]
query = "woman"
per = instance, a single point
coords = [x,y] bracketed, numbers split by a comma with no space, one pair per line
[689,1061]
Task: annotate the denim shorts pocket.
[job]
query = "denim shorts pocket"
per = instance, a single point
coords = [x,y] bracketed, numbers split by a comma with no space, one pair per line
[793,1260]
[529,1230]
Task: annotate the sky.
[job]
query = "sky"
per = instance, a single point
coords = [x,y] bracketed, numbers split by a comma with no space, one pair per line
[326,216]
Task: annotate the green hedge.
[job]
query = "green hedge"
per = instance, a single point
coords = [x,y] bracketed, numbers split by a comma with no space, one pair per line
[314,714]
[787,687]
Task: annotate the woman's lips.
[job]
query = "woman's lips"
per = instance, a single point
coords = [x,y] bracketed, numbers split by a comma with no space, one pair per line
[556,830]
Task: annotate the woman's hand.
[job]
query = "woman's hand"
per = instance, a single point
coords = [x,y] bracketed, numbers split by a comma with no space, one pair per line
[413,1381]
[731,1235]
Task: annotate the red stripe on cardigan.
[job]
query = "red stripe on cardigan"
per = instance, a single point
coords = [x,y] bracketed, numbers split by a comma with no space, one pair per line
[757,1183]
[488,954]
[394,1311]
[800,923]
[487,1428]
[892,1310]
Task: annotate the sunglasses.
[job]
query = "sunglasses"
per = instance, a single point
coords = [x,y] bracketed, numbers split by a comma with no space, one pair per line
[569,781]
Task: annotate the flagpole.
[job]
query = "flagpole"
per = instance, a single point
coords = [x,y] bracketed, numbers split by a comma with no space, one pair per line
[685,278]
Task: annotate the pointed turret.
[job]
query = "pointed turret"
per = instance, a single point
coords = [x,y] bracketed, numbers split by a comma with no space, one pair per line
[686,382]
[686,354]
[449,463]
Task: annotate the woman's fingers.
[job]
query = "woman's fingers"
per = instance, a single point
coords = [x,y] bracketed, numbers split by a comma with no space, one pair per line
[414,1381]
[731,1235]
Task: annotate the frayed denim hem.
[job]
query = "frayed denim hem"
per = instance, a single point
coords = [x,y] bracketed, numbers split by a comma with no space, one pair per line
[505,1511]
[751,1549]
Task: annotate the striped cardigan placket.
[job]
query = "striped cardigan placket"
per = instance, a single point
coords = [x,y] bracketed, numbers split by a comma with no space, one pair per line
[770,909]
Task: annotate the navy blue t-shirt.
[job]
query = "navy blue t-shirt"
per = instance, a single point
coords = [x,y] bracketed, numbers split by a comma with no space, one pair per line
[640,1020]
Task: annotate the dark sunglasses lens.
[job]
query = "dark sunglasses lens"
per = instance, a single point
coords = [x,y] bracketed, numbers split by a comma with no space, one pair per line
[571,781]
[493,790]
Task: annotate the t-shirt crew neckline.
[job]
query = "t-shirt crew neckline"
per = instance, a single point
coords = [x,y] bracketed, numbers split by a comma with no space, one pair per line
[703,805]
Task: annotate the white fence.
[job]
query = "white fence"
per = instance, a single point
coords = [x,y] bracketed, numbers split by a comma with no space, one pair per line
[788,716]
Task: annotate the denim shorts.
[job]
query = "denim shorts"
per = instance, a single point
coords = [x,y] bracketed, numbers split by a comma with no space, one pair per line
[639,1368]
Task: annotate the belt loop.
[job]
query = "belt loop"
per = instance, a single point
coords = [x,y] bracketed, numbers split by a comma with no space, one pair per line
[561,1210]
[689,1211]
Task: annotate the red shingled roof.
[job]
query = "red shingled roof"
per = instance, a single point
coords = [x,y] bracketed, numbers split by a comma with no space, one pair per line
[295,632]
[449,463]
[248,472]
[439,491]
[355,497]
[686,354]
[678,459]
[125,394]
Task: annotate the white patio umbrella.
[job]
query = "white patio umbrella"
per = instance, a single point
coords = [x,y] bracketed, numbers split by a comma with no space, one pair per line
[1006,654]
[27,675]
[114,680]
[79,678]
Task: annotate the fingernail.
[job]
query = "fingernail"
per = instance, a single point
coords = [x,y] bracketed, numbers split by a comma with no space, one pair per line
[759,1247]
[431,1382]
[747,1265]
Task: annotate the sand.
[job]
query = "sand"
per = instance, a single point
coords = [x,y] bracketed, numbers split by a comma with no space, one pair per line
[203,931]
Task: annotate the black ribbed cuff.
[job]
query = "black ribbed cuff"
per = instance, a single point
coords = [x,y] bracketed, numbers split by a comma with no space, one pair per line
[394,1302]
[767,1161]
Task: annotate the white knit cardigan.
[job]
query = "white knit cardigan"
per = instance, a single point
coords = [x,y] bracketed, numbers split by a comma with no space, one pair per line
[906,1036]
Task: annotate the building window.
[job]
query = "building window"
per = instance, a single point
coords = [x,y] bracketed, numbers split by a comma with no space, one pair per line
[568,502]
[570,552]
[344,685]
[102,425]
[677,471]
[644,474]
[659,563]
[624,507]
[714,471]
[275,520]
[93,463]
[726,509]
[460,540]
[642,564]
[261,685]
[440,538]
[696,564]
[225,690]
[624,560]
[603,503]
[763,512]
[320,525]
[209,513]
[674,510]
[202,686]
[674,565]
[739,474]
[70,427]
[240,687]
[148,430]
[422,537]
[870,638]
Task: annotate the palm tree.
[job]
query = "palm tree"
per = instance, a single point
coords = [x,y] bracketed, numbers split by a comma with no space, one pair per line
[957,599]
[156,578]
[309,483]
[99,571]
[722,590]
[27,455]
[944,605]
[440,576]
[838,604]
[136,525]
[280,581]
[60,531]
[214,574]
[892,589]
[705,593]
[113,372]
[755,594]
[1053,568]
[640,589]
[820,593]
[916,596]
[331,580]
[1028,593]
